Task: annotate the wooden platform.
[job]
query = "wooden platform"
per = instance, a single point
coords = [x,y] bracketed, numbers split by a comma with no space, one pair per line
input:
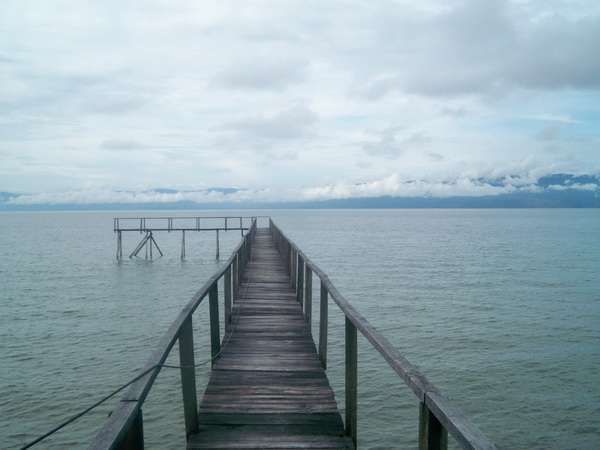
[267,389]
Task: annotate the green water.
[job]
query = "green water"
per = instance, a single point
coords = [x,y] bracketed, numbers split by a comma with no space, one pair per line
[499,308]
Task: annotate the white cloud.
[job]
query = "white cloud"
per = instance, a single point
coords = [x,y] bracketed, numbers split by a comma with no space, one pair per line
[273,96]
[391,185]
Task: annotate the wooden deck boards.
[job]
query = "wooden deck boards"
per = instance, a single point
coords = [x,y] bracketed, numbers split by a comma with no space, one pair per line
[268,389]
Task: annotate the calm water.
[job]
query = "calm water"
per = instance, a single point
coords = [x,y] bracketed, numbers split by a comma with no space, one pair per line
[500,308]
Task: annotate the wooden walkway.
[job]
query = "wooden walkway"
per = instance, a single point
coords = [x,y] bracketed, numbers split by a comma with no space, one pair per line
[267,388]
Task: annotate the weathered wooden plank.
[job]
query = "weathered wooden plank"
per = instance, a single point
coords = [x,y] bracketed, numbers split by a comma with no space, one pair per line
[332,420]
[236,439]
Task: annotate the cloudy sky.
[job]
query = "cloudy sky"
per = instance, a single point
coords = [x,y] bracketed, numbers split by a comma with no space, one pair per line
[296,99]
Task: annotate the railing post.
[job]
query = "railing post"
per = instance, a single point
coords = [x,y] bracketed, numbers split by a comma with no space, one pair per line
[227,292]
[119,246]
[351,379]
[188,376]
[182,245]
[134,439]
[308,298]
[323,321]
[432,434]
[300,285]
[243,256]
[213,305]
[236,277]
[294,264]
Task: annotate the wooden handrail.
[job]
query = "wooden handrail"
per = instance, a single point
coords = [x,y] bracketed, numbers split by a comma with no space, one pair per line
[123,430]
[437,414]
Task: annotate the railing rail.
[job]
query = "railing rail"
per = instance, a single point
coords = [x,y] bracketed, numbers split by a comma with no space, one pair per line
[124,428]
[178,223]
[437,415]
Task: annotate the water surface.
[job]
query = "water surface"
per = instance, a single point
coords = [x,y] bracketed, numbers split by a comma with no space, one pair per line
[500,308]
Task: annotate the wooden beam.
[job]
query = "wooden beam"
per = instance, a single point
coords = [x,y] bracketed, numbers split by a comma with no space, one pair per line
[213,305]
[188,377]
[134,438]
[227,293]
[432,435]
[300,276]
[323,324]
[351,380]
[308,299]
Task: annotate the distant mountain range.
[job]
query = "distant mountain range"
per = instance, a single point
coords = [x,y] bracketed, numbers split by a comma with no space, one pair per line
[558,190]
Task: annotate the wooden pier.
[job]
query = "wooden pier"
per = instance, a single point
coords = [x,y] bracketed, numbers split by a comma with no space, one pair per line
[147,226]
[268,387]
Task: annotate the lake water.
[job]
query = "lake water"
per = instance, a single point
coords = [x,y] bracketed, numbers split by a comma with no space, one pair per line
[499,308]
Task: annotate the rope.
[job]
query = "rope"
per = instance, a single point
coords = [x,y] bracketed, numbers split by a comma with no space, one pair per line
[129,383]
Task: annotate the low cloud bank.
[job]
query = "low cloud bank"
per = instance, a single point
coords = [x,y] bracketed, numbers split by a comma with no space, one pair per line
[390,186]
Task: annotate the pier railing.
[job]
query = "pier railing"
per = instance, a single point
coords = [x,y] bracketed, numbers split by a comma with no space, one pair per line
[437,415]
[182,223]
[124,429]
[149,225]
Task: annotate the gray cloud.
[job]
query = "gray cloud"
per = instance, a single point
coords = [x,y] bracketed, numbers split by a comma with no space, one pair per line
[549,133]
[392,144]
[482,48]
[454,111]
[292,123]
[122,145]
[262,74]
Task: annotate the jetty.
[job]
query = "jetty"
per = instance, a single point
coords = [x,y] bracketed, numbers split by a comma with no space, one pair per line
[147,226]
[268,385]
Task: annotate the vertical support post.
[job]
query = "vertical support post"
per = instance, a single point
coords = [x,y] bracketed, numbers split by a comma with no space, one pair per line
[432,434]
[241,227]
[182,245]
[156,245]
[215,335]
[236,278]
[293,263]
[323,324]
[134,439]
[227,293]
[308,298]
[151,242]
[188,377]
[351,379]
[244,254]
[300,285]
[217,244]
[119,246]
[294,267]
